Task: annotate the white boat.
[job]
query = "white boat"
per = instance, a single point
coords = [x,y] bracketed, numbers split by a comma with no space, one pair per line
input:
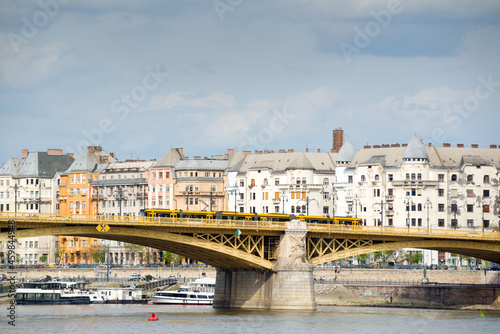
[55,292]
[199,292]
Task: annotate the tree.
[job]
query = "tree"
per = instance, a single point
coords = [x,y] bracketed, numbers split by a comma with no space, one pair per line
[416,257]
[58,254]
[133,250]
[19,259]
[98,253]
[43,258]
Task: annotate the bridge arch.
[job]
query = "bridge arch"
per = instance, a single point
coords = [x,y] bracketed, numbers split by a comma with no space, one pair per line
[490,252]
[214,254]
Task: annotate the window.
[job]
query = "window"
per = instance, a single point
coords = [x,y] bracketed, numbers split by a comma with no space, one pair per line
[486,223]
[252,182]
[265,195]
[441,207]
[413,176]
[407,176]
[470,178]
[486,193]
[419,177]
[213,187]
[454,178]
[441,192]
[470,193]
[390,222]
[413,191]
[391,178]
[413,222]
[160,175]
[363,178]
[486,208]
[376,192]
[470,223]
[419,221]
[486,179]
[325,210]
[276,195]
[413,207]
[78,179]
[84,243]
[390,192]
[265,182]
[470,208]
[242,183]
[454,223]
[419,207]
[71,243]
[441,222]
[326,182]
[440,177]
[276,181]
[325,196]
[72,180]
[349,178]
[304,180]
[377,177]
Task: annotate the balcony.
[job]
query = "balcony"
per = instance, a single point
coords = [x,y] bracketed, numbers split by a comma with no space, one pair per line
[349,198]
[389,198]
[276,201]
[389,212]
[241,201]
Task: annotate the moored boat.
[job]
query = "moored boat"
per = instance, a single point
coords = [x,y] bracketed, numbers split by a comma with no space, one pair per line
[55,292]
[199,292]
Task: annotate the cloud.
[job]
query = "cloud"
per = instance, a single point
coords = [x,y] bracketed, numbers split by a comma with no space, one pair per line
[189,99]
[31,65]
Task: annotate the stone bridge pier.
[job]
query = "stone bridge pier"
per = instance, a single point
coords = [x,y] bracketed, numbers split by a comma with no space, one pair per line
[289,286]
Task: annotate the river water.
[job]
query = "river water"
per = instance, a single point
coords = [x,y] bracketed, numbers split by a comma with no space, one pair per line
[203,319]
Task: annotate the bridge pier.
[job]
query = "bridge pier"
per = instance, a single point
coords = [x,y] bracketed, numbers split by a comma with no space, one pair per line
[289,286]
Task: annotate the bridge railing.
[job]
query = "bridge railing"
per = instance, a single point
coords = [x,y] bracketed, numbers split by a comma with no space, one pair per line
[416,231]
[138,220]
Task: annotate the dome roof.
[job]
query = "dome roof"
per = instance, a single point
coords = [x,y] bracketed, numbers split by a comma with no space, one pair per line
[346,152]
[415,149]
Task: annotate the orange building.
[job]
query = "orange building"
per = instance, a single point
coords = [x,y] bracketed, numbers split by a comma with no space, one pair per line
[74,198]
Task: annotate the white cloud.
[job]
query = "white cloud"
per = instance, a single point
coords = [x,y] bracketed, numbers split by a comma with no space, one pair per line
[188,99]
[31,64]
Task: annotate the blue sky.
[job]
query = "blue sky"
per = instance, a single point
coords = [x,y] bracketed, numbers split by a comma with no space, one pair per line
[139,78]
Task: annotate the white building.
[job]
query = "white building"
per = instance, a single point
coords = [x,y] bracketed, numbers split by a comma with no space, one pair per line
[293,183]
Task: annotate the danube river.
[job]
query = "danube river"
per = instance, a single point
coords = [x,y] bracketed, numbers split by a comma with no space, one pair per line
[190,319]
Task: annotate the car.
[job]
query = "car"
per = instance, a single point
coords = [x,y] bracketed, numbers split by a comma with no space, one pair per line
[134,277]
[493,267]
[452,268]
[433,267]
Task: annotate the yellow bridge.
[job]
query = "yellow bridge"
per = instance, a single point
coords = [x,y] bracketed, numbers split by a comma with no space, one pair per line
[216,242]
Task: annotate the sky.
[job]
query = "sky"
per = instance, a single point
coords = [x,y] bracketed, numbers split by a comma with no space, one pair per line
[141,77]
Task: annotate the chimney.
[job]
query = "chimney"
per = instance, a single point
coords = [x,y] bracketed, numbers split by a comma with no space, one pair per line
[493,146]
[229,151]
[430,144]
[245,153]
[197,157]
[290,150]
[338,140]
[319,151]
[446,145]
[258,152]
[105,159]
[474,146]
[460,145]
[226,156]
[395,145]
[112,155]
[24,153]
[282,151]
[404,145]
[307,150]
[385,145]
[181,151]
[367,146]
[54,151]
[267,151]
[376,146]
[71,155]
[91,149]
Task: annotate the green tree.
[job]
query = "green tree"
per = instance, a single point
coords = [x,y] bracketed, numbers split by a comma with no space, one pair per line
[98,253]
[19,259]
[133,250]
[416,257]
[43,258]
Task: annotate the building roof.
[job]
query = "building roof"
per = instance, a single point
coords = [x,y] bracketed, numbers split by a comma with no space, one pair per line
[41,164]
[286,161]
[205,164]
[346,152]
[128,166]
[11,167]
[87,160]
[169,159]
[415,150]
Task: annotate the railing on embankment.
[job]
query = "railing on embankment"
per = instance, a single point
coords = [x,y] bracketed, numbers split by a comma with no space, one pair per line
[402,283]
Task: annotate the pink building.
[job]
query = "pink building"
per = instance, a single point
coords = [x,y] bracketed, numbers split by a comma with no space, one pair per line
[161,180]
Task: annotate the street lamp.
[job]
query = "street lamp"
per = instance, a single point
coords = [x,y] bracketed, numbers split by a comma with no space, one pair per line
[408,201]
[381,203]
[283,199]
[235,191]
[428,205]
[15,187]
[308,200]
[120,192]
[334,197]
[356,202]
